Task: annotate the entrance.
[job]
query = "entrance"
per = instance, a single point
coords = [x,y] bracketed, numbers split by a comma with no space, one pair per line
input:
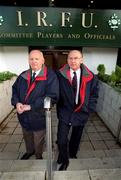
[55,59]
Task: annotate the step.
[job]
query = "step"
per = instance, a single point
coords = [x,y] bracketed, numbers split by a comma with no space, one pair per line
[94,163]
[81,154]
[38,175]
[22,165]
[74,165]
[98,174]
[18,155]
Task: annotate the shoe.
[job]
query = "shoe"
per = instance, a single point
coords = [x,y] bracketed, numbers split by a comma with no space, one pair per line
[26,156]
[59,161]
[39,157]
[58,166]
[63,166]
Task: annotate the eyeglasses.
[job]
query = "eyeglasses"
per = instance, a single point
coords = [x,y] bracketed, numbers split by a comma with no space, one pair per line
[74,58]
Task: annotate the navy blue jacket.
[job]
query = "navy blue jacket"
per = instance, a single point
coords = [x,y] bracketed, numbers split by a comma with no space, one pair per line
[66,110]
[46,84]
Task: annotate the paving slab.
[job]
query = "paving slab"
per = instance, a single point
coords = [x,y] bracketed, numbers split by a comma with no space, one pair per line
[2,145]
[98,144]
[15,139]
[94,136]
[4,138]
[12,124]
[106,136]
[8,130]
[12,147]
[113,152]
[111,144]
[90,154]
[18,131]
[86,145]
[9,155]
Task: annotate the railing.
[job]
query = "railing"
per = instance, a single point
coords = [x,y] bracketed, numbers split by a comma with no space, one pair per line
[47,107]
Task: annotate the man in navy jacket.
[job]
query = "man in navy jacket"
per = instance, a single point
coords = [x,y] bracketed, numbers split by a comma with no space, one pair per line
[73,110]
[28,98]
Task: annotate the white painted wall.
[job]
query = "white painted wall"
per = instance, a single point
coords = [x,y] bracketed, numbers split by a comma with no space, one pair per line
[95,56]
[13,58]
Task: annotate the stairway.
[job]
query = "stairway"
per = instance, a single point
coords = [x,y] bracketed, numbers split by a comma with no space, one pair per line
[98,159]
[90,166]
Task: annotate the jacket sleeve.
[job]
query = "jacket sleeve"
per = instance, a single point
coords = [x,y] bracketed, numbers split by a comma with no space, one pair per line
[15,98]
[52,89]
[93,94]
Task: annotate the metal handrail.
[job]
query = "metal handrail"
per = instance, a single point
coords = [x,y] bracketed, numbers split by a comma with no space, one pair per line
[47,107]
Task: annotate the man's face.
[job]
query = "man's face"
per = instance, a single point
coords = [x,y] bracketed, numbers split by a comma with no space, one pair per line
[36,60]
[75,59]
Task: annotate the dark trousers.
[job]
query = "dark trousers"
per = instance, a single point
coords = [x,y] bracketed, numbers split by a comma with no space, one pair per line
[68,147]
[34,141]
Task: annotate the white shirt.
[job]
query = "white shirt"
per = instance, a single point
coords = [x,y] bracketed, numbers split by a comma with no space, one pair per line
[37,72]
[78,73]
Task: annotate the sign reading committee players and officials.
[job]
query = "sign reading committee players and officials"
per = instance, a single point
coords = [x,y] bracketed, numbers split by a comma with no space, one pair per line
[59,27]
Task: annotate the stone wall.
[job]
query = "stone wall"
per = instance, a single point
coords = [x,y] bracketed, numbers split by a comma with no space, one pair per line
[108,107]
[5,98]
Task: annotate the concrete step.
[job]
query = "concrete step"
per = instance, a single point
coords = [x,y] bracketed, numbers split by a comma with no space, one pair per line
[18,155]
[96,174]
[94,163]
[74,165]
[22,165]
[38,175]
[81,154]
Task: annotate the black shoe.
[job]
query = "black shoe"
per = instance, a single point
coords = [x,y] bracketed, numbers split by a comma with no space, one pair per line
[63,166]
[39,157]
[59,161]
[26,156]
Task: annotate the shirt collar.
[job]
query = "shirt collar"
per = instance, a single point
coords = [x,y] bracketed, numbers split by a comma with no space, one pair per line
[37,72]
[77,72]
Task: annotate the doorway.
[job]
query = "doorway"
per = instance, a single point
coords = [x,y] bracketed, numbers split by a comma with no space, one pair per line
[55,59]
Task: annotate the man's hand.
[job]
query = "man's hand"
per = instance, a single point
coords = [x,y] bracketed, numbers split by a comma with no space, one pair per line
[27,107]
[20,108]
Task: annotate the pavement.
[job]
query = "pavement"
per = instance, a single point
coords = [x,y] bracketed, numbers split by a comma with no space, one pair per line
[96,135]
[98,158]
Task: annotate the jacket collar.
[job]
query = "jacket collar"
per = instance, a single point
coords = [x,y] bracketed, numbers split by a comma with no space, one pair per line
[65,71]
[86,76]
[41,76]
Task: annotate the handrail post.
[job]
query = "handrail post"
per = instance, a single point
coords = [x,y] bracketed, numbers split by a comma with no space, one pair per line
[47,107]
